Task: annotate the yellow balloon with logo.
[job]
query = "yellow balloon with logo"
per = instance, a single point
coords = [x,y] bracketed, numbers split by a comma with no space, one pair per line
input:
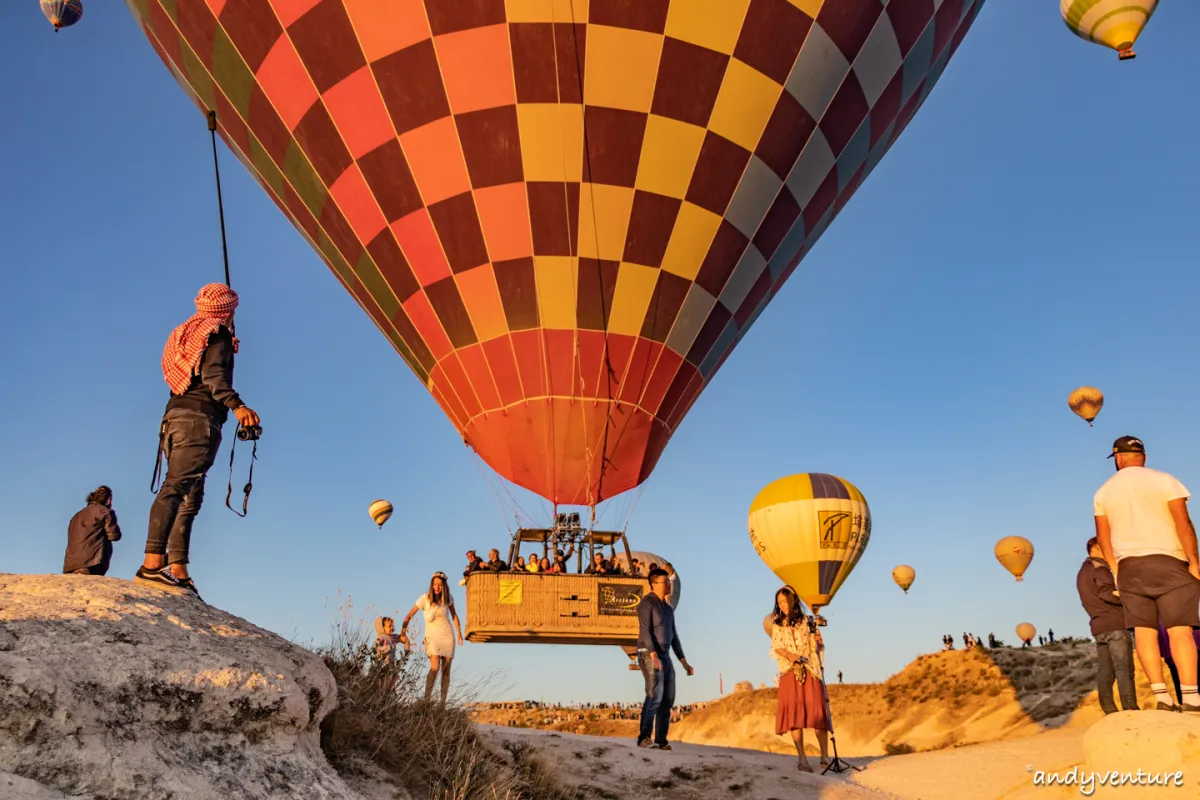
[811,529]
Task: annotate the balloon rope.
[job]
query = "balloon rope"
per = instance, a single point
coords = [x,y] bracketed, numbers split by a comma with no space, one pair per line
[212,131]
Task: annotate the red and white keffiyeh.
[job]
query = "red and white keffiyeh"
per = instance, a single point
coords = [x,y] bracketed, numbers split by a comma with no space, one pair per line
[215,305]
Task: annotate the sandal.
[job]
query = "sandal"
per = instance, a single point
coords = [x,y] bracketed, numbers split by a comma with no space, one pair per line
[804,766]
[825,761]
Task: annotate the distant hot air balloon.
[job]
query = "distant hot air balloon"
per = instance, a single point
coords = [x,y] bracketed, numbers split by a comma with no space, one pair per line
[62,13]
[903,575]
[646,558]
[380,511]
[1014,554]
[1086,401]
[810,529]
[768,623]
[563,217]
[1112,23]
[1026,632]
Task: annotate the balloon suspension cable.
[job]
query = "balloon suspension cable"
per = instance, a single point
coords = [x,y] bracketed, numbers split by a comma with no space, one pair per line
[212,131]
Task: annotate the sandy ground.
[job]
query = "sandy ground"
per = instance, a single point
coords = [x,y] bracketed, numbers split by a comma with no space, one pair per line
[988,771]
[615,769]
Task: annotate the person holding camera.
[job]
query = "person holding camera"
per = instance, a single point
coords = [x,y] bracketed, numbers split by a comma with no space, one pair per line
[795,646]
[197,365]
[91,534]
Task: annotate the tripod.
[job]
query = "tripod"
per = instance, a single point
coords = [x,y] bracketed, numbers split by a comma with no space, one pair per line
[837,764]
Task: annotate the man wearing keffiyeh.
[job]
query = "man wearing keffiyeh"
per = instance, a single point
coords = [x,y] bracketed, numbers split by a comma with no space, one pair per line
[197,365]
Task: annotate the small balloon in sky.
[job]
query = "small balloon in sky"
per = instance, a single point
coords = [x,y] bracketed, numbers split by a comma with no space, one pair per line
[1109,23]
[62,13]
[380,511]
[904,575]
[1014,554]
[1086,401]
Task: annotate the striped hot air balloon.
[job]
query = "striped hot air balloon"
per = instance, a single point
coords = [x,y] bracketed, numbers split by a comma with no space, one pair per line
[564,215]
[62,13]
[1111,23]
[811,529]
[380,511]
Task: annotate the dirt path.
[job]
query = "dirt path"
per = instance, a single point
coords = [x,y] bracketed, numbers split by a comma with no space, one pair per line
[616,769]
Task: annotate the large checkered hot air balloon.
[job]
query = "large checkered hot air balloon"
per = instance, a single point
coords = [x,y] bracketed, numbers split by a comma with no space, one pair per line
[810,529]
[563,214]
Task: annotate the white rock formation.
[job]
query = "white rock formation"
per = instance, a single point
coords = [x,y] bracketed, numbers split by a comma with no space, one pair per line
[111,690]
[1161,744]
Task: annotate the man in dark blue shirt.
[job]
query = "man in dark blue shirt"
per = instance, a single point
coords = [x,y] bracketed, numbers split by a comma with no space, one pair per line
[656,638]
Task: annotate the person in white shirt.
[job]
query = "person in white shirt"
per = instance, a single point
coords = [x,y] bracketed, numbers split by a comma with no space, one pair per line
[1147,537]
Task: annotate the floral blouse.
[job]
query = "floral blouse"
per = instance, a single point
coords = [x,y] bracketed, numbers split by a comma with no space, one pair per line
[795,639]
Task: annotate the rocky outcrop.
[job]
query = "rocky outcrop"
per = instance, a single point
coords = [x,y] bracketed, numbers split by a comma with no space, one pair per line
[113,691]
[1154,755]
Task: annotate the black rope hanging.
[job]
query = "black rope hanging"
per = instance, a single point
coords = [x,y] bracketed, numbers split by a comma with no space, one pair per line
[212,131]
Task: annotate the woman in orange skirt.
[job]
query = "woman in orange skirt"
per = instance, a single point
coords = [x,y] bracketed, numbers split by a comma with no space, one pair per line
[801,695]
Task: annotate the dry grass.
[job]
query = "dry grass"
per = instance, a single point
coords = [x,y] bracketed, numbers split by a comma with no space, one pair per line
[434,753]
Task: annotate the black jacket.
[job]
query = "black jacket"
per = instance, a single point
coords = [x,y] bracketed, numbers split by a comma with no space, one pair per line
[90,536]
[211,391]
[1097,593]
[656,627]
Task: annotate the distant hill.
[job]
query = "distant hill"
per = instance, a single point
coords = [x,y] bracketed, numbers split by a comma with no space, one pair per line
[944,699]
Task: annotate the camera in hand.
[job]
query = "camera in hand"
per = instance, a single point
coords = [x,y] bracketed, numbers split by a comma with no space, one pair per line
[249,434]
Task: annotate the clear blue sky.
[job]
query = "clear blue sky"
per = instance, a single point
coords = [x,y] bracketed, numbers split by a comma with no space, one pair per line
[1034,229]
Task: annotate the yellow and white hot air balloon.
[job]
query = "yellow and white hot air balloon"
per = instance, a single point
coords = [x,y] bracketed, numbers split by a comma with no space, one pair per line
[810,529]
[1026,632]
[1086,401]
[904,575]
[768,623]
[1111,23]
[380,511]
[1014,554]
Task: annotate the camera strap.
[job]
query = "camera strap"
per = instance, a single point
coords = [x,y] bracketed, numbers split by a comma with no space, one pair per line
[249,478]
[158,457]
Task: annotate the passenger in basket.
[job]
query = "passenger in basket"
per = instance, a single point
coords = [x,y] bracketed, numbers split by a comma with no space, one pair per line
[494,563]
[597,567]
[518,565]
[533,563]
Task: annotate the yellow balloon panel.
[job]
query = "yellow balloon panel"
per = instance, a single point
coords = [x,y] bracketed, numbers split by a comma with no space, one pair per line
[811,530]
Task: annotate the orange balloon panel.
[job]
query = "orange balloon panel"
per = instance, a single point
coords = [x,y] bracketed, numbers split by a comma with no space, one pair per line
[563,214]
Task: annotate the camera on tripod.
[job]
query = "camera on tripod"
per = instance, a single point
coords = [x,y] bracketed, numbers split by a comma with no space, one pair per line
[249,434]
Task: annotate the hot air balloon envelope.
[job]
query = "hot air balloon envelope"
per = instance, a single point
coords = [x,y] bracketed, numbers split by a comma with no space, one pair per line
[1014,554]
[563,215]
[768,623]
[1111,23]
[904,575]
[1086,401]
[380,511]
[1026,632]
[810,529]
[62,13]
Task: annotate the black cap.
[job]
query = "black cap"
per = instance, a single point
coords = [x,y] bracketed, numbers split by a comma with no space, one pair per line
[1128,444]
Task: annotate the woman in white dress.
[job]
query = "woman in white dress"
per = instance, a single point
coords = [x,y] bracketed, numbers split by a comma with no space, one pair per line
[438,607]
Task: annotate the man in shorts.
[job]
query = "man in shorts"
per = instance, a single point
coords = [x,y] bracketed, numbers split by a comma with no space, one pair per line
[1147,537]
